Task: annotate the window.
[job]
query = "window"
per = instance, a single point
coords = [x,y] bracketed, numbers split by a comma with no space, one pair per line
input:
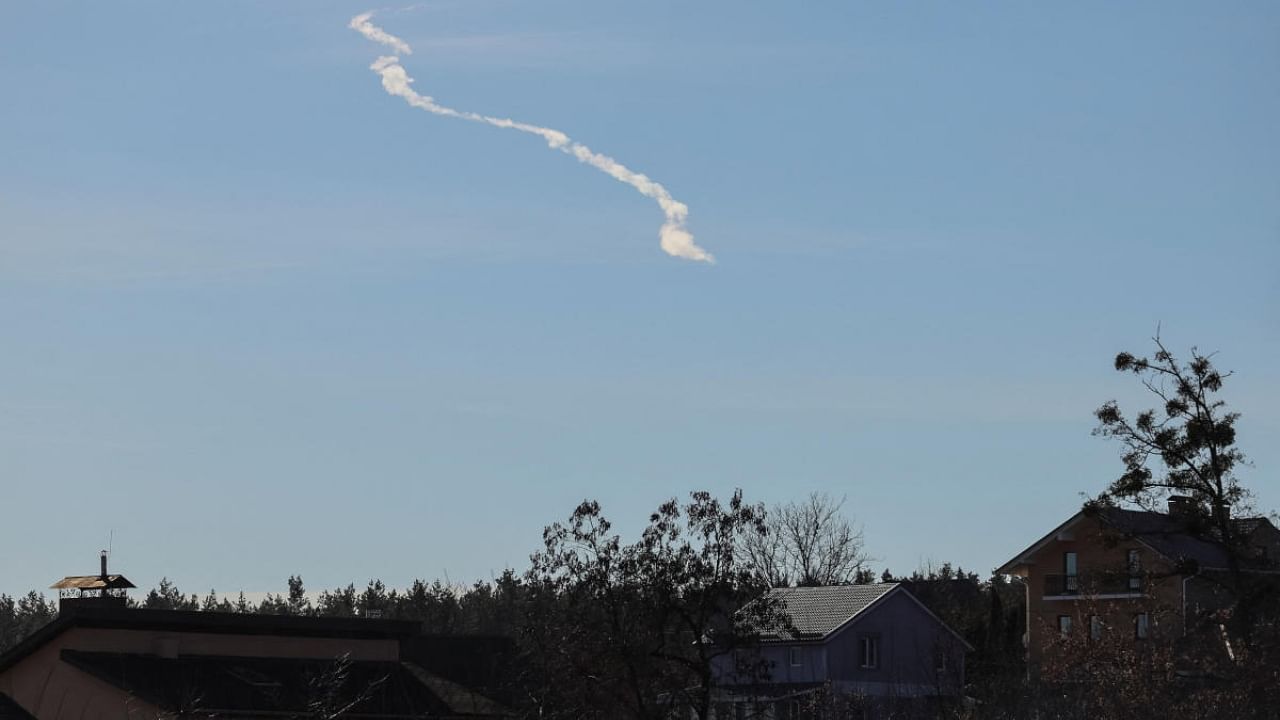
[1141,625]
[869,651]
[1135,570]
[940,660]
[1095,627]
[1069,583]
[1064,625]
[793,656]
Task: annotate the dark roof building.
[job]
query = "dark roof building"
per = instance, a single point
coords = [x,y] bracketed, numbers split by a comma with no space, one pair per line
[98,661]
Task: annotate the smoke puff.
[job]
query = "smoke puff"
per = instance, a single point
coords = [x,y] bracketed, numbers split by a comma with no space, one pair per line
[361,24]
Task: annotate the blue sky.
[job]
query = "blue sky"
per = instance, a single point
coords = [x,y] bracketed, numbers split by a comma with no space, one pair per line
[260,318]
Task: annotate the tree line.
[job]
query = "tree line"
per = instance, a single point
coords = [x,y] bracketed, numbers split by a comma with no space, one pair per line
[603,627]
[606,627]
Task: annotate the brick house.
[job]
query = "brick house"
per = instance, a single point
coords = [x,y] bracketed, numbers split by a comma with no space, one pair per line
[1144,574]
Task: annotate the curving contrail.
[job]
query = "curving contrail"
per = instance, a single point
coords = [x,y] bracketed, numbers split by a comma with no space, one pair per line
[676,240]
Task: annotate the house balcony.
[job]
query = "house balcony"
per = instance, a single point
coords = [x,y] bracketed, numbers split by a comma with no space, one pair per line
[1096,584]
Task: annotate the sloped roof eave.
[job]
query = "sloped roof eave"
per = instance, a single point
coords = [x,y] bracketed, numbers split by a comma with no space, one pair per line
[1116,523]
[1021,558]
[809,631]
[865,611]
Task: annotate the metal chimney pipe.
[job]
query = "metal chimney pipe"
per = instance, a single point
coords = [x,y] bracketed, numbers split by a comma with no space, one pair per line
[104,564]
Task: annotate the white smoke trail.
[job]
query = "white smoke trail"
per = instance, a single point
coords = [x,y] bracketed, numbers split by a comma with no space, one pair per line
[361,24]
[675,239]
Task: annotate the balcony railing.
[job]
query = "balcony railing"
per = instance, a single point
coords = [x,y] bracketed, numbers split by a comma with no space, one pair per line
[1095,583]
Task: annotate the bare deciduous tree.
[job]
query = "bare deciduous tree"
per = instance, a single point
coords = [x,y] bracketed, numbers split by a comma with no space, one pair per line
[809,542]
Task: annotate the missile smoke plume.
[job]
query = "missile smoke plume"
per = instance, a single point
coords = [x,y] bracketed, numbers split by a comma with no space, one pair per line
[675,239]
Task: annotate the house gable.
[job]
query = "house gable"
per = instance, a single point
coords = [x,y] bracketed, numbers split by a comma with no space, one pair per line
[915,653]
[1026,557]
[875,640]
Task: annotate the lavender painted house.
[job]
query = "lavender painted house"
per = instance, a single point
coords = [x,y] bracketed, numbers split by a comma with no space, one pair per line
[875,641]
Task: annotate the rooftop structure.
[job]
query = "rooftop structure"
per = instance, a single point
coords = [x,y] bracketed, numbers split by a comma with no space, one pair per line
[101,589]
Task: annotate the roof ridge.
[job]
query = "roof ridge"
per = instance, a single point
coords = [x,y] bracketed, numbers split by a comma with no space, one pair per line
[820,610]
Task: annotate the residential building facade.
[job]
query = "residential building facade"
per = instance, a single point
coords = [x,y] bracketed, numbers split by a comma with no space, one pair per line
[873,641]
[1139,574]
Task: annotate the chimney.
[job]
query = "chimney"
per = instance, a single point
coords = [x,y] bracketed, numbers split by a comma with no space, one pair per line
[104,564]
[1181,505]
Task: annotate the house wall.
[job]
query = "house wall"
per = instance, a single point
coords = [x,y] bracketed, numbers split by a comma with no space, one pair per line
[1162,599]
[50,689]
[777,657]
[910,639]
[1208,591]
[1265,539]
[54,690]
[812,667]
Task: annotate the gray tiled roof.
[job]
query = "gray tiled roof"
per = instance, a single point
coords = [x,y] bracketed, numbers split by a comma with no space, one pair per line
[816,612]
